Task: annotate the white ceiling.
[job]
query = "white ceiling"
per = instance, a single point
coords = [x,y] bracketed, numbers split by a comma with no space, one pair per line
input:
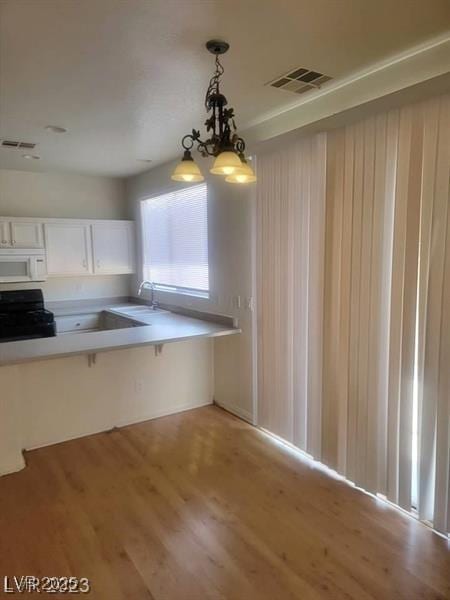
[127,77]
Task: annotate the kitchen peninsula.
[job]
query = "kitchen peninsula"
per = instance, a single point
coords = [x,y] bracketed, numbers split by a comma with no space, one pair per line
[121,367]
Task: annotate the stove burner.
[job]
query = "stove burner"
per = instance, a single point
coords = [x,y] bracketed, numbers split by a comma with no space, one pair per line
[23,316]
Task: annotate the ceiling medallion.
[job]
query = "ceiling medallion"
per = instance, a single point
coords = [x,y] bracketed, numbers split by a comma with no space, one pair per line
[223,141]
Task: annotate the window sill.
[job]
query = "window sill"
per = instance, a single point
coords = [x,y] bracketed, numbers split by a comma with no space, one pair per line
[183,292]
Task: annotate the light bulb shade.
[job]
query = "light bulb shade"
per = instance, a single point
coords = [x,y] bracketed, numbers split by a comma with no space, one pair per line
[244,174]
[226,163]
[187,170]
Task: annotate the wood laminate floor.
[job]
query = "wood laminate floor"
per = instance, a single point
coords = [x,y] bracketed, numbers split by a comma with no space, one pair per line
[200,506]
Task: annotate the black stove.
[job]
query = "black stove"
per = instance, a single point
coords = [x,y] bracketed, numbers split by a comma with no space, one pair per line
[23,316]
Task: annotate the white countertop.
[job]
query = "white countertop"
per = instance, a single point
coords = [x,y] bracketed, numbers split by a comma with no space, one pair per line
[84,307]
[165,328]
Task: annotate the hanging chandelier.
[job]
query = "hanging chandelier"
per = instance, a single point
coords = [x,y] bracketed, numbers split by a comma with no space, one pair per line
[223,142]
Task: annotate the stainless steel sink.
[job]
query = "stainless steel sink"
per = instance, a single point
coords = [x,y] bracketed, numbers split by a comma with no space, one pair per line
[138,309]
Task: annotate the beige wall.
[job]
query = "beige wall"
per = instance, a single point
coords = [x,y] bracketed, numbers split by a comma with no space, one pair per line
[29,194]
[65,195]
[230,262]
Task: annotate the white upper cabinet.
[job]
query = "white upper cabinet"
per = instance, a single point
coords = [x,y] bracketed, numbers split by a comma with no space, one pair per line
[26,234]
[5,234]
[74,247]
[68,248]
[21,234]
[113,247]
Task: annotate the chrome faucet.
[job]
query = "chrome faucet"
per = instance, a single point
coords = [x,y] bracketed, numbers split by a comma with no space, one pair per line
[151,286]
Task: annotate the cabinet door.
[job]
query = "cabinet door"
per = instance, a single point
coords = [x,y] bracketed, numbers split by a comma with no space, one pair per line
[68,249]
[26,235]
[5,234]
[113,245]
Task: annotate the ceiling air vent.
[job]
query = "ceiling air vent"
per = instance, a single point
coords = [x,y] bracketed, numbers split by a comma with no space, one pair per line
[19,145]
[300,80]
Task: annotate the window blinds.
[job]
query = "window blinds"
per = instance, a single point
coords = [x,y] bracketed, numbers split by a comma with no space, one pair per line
[354,303]
[175,239]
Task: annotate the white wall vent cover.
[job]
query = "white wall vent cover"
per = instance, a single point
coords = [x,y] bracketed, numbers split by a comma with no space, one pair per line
[19,145]
[300,80]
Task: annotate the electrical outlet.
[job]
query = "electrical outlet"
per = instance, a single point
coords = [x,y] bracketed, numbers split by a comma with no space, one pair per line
[249,304]
[138,386]
[236,302]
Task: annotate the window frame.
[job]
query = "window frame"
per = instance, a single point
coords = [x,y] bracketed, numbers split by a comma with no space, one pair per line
[166,288]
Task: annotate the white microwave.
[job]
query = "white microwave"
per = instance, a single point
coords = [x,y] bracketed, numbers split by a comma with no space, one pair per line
[22,265]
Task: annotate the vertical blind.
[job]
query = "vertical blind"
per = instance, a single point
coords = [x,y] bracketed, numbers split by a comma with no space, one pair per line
[434,318]
[354,302]
[175,239]
[290,212]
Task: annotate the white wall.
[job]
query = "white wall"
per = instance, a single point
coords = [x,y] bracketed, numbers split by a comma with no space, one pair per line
[230,261]
[66,195]
[47,402]
[77,288]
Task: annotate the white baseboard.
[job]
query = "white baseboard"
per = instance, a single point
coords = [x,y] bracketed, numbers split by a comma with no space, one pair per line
[236,410]
[161,413]
[121,423]
[66,438]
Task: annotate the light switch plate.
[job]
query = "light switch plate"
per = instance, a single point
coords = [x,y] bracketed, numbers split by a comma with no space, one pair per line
[249,304]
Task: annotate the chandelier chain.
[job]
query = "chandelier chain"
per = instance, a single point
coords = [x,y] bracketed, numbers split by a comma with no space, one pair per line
[213,87]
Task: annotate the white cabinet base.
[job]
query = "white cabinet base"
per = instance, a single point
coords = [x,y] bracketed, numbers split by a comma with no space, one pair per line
[11,440]
[57,400]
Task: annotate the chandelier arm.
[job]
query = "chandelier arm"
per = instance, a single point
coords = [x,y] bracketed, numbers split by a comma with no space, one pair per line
[188,141]
[240,145]
[206,148]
